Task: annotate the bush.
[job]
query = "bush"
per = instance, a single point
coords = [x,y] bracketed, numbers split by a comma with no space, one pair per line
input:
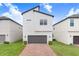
[71,44]
[25,42]
[50,43]
[54,40]
[6,42]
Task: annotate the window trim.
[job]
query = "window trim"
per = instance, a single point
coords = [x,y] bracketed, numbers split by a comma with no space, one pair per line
[28,20]
[71,22]
[41,22]
[44,21]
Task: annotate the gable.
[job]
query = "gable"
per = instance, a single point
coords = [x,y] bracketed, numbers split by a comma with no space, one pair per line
[6,18]
[72,16]
[37,9]
[43,13]
[34,8]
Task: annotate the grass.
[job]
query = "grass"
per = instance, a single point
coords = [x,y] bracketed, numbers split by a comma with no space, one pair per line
[12,49]
[64,50]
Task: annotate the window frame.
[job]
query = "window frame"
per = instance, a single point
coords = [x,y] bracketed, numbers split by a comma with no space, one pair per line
[28,19]
[43,21]
[71,22]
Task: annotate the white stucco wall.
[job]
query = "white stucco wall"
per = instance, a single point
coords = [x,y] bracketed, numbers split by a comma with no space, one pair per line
[10,30]
[64,33]
[60,32]
[73,31]
[4,29]
[15,32]
[30,27]
[76,25]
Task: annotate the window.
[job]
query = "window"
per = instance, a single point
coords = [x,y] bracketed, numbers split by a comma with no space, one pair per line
[28,20]
[71,22]
[43,22]
[53,28]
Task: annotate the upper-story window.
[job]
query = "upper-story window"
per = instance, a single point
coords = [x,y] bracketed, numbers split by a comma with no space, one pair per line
[71,22]
[53,28]
[28,20]
[43,22]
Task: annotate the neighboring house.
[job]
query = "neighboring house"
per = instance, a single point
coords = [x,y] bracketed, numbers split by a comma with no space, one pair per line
[10,30]
[67,30]
[37,26]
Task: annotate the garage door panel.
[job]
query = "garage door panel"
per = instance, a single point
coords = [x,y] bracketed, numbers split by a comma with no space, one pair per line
[2,38]
[37,39]
[76,39]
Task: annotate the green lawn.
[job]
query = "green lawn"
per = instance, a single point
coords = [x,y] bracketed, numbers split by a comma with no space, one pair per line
[12,49]
[64,50]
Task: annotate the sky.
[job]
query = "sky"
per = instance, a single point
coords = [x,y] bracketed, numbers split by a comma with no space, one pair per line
[59,10]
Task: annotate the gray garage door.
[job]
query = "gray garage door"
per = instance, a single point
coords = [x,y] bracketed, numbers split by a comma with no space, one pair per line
[2,38]
[37,39]
[76,39]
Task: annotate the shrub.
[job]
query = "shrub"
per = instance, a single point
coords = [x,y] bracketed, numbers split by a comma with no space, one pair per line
[71,44]
[6,42]
[50,43]
[54,40]
[25,42]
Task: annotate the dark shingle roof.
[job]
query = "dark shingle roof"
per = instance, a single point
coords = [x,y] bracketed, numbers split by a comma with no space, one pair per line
[37,11]
[6,18]
[43,13]
[72,16]
[31,9]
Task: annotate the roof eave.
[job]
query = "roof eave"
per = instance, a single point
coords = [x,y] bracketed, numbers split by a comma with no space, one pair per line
[43,13]
[11,20]
[64,20]
[30,9]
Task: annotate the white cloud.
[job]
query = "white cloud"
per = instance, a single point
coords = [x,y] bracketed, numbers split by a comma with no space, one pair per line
[77,11]
[0,4]
[7,14]
[73,11]
[13,13]
[48,7]
[70,12]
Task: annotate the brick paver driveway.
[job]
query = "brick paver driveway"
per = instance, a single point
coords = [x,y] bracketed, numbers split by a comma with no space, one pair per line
[37,50]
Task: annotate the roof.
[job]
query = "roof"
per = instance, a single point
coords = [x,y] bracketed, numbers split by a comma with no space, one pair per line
[75,15]
[72,16]
[43,13]
[6,18]
[37,11]
[30,9]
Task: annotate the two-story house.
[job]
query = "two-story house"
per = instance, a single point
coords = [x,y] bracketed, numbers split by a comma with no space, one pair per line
[37,26]
[10,30]
[67,30]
